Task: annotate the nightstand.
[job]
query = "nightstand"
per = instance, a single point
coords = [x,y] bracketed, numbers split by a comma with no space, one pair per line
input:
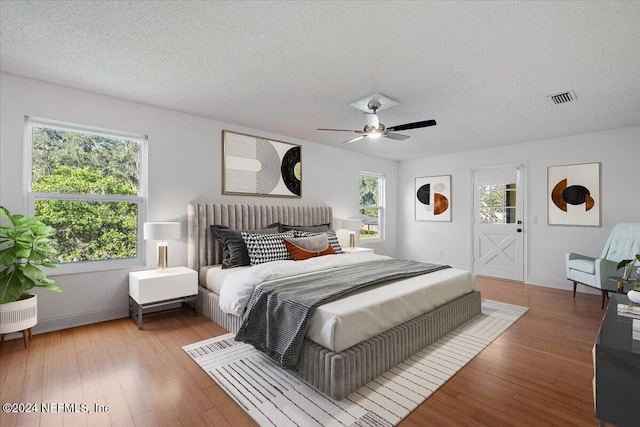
[357,250]
[154,288]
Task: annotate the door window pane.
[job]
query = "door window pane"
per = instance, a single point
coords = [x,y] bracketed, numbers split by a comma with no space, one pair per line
[497,203]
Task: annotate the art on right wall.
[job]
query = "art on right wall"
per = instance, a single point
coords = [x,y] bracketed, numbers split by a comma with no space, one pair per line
[573,194]
[433,198]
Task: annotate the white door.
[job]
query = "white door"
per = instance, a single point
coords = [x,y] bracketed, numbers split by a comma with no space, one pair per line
[498,228]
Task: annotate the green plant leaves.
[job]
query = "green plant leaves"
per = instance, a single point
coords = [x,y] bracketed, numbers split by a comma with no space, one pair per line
[26,247]
[9,292]
[624,262]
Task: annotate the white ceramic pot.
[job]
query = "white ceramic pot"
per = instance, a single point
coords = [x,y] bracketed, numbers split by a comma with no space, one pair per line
[18,315]
[634,296]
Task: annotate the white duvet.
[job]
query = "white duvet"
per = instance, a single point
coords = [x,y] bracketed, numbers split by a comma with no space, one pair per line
[237,286]
[345,322]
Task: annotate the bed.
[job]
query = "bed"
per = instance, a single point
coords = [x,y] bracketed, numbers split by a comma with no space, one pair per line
[334,365]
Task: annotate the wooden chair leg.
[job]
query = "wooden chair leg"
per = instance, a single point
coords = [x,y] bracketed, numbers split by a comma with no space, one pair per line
[604,293]
[25,338]
[575,285]
[30,334]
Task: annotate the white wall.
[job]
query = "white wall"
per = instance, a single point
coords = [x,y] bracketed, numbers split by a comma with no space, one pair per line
[185,158]
[618,151]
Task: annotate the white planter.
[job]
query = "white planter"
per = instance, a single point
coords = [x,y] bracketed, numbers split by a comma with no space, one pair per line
[18,315]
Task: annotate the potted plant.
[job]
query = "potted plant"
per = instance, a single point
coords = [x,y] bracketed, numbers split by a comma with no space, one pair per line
[25,247]
[628,265]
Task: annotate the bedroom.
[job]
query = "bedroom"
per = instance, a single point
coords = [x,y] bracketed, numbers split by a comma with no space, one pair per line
[185,158]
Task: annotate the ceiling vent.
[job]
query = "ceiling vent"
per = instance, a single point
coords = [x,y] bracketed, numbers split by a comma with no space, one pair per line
[563,98]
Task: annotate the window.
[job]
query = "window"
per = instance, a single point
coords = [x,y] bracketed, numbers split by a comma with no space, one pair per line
[498,204]
[372,206]
[88,184]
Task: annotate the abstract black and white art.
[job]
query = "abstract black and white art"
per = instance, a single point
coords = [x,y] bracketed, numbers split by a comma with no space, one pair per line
[433,198]
[256,166]
[573,194]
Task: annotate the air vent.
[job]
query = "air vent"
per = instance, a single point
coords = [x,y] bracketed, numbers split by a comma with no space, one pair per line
[563,98]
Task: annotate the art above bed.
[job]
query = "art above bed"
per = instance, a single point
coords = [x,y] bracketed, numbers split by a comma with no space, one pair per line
[256,166]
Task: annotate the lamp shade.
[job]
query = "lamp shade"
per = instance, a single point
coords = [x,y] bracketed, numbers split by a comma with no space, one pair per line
[351,224]
[161,230]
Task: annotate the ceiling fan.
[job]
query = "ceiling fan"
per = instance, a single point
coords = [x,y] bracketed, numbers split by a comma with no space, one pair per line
[374,129]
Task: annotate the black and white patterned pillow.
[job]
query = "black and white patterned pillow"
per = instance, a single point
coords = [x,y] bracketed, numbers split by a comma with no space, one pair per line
[266,247]
[331,236]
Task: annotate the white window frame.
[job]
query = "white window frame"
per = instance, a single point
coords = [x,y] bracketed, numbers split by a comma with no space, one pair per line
[140,199]
[381,206]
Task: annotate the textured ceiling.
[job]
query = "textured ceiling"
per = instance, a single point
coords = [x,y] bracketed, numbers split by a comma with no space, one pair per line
[483,70]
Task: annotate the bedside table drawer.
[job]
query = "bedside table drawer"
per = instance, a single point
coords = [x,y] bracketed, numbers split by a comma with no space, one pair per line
[153,285]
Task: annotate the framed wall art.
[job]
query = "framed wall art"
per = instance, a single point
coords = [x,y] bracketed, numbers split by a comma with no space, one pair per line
[573,194]
[256,166]
[433,198]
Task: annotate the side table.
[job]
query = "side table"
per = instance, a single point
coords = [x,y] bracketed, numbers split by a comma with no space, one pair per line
[357,250]
[616,356]
[621,283]
[154,288]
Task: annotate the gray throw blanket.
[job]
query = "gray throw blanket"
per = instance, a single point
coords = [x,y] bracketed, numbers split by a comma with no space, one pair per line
[277,315]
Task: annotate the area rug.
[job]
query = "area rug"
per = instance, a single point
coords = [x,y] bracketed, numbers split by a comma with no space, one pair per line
[273,396]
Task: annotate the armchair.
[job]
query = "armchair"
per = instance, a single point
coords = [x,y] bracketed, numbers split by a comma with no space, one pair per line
[623,243]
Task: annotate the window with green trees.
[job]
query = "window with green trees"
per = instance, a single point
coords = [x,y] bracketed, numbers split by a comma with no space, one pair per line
[372,206]
[498,204]
[86,184]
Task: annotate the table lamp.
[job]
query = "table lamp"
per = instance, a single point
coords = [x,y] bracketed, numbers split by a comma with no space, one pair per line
[353,225]
[162,231]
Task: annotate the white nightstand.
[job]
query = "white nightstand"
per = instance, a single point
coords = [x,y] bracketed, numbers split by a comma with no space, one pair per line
[357,250]
[153,288]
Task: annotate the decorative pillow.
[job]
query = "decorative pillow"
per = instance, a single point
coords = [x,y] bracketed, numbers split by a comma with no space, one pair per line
[308,247]
[234,249]
[311,243]
[266,247]
[331,236]
[309,228]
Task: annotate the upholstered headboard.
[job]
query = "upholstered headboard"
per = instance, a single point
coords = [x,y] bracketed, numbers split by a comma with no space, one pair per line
[203,250]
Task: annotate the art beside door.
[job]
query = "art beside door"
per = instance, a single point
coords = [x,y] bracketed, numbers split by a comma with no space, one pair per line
[573,194]
[433,198]
[498,236]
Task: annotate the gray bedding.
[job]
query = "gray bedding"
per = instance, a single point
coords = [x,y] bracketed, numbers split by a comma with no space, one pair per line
[276,318]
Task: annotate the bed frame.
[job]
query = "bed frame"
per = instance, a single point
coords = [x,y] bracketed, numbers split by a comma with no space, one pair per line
[335,374]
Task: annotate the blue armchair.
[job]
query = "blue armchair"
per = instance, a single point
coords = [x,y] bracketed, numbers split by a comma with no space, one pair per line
[623,243]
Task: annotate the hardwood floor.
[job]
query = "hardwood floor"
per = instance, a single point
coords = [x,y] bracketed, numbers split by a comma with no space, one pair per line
[538,373]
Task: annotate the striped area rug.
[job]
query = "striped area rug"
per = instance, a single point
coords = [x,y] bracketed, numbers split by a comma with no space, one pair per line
[273,396]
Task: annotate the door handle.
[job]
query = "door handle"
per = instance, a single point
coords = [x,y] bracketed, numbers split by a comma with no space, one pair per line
[519,230]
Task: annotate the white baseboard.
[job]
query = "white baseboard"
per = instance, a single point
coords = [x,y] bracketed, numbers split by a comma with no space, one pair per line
[73,320]
[564,285]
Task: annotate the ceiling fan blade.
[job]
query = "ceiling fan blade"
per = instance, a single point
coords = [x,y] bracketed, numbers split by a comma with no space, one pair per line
[354,139]
[414,125]
[398,136]
[342,130]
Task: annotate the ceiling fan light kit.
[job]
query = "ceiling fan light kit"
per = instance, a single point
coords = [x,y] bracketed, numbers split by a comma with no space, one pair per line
[373,128]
